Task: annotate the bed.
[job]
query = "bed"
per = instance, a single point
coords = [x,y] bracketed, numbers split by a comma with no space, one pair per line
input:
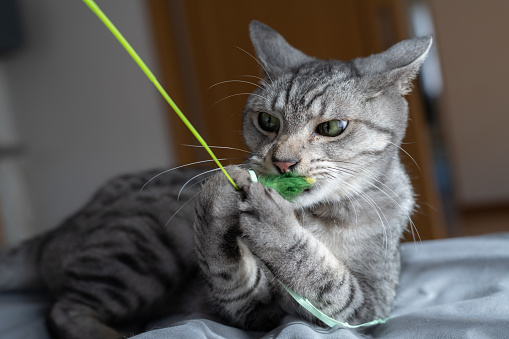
[451,288]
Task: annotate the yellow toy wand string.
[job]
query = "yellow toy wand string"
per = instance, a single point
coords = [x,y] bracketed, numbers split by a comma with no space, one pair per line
[93,6]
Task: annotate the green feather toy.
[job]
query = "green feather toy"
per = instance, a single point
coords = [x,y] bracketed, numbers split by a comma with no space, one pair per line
[288,185]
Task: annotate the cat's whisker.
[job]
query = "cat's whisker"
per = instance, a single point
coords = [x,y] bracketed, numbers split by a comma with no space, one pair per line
[181,207]
[200,181]
[197,183]
[354,209]
[370,202]
[234,95]
[412,225]
[174,168]
[221,147]
[377,210]
[196,176]
[353,174]
[255,76]
[235,80]
[258,62]
[356,164]
[322,173]
[415,162]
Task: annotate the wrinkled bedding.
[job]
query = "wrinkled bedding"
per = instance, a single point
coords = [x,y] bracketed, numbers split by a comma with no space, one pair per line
[452,288]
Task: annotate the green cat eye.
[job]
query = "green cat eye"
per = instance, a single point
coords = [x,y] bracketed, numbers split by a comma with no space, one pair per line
[268,122]
[332,128]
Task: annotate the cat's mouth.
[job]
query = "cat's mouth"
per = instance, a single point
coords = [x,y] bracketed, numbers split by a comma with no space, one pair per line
[308,190]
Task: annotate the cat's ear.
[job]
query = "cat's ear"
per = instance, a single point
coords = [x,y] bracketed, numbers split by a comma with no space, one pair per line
[397,66]
[274,53]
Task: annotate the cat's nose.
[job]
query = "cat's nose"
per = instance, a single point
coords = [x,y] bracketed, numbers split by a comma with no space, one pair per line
[284,166]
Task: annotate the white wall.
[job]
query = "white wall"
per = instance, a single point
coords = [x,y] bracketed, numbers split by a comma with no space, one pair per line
[83,110]
[474,48]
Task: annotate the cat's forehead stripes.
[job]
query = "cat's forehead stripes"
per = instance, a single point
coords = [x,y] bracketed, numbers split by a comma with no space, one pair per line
[313,97]
[306,89]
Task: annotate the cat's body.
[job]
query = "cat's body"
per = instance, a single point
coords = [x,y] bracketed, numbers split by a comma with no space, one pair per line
[116,256]
[337,244]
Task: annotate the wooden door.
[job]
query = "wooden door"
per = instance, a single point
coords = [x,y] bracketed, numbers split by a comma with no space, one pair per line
[207,63]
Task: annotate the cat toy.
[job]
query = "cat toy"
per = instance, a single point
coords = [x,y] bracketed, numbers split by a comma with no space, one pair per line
[288,185]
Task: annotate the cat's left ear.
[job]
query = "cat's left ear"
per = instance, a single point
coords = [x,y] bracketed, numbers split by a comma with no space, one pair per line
[274,53]
[397,66]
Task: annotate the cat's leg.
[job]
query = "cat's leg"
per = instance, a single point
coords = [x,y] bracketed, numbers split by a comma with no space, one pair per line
[123,272]
[273,233]
[237,282]
[72,320]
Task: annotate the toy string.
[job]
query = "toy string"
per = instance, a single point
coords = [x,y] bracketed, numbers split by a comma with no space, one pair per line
[304,302]
[106,21]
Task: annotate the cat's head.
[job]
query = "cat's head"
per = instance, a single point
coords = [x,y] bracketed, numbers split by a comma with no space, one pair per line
[338,122]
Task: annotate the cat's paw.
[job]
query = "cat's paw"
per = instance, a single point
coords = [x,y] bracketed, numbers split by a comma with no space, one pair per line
[264,215]
[239,175]
[218,197]
[216,210]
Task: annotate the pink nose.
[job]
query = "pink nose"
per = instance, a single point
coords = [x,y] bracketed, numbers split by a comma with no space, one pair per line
[284,166]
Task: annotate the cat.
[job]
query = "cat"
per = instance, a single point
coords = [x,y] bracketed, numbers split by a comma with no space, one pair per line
[226,252]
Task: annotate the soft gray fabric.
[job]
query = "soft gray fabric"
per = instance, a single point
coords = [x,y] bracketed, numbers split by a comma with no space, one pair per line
[22,315]
[453,288]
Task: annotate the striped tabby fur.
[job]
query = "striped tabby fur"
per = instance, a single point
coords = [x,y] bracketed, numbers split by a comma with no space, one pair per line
[337,244]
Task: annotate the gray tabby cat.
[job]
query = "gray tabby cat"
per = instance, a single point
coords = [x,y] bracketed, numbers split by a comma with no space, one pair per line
[340,123]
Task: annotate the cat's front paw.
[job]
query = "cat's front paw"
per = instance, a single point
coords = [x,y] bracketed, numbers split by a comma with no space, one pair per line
[216,225]
[218,199]
[265,216]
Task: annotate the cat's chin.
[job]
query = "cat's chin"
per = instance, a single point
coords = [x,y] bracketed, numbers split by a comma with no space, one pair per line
[308,198]
[318,195]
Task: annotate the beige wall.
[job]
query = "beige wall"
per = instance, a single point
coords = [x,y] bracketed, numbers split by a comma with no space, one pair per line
[473,41]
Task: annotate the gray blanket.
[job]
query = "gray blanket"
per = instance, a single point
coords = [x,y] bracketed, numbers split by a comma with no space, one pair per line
[453,288]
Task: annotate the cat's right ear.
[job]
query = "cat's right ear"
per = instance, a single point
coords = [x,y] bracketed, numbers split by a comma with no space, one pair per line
[396,66]
[274,53]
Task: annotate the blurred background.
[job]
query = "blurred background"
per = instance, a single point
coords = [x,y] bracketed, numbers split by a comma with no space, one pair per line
[75,110]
